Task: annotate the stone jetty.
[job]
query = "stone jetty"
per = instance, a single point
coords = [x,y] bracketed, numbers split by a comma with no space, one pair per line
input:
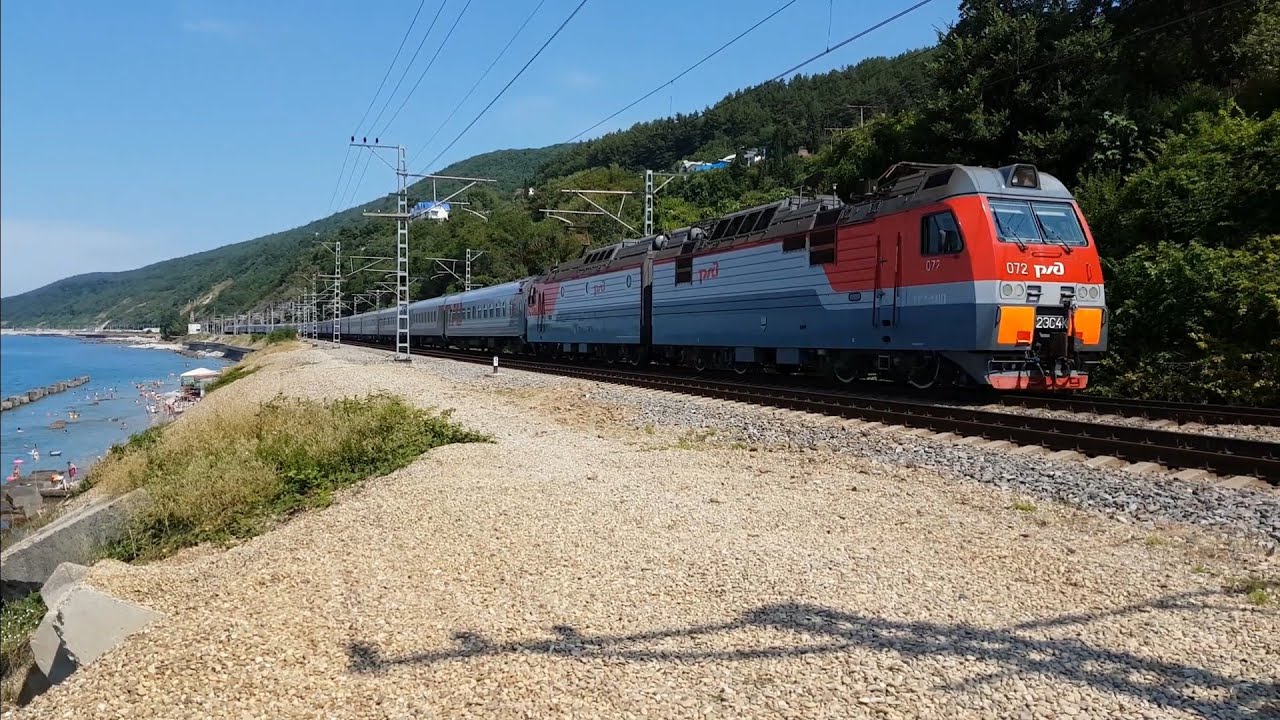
[30,396]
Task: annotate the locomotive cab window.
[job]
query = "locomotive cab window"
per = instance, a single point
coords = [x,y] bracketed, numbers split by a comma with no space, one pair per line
[940,235]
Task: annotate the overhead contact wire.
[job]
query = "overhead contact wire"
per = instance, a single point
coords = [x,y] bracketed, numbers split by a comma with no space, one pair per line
[509,84]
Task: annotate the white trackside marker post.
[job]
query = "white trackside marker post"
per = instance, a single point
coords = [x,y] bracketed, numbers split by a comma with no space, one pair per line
[495,364]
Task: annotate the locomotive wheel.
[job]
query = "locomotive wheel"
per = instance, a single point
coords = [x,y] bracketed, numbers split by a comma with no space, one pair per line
[700,362]
[741,368]
[845,372]
[925,373]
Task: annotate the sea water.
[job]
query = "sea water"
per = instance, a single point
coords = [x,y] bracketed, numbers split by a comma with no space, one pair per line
[110,406]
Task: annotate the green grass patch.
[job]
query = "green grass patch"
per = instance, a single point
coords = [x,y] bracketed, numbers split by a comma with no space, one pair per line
[231,475]
[18,619]
[229,376]
[1257,590]
[280,335]
[1025,506]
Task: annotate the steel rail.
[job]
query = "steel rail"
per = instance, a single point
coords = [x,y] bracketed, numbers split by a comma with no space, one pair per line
[1153,409]
[1221,455]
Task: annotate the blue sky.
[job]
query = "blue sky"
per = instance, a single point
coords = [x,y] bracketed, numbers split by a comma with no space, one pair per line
[136,131]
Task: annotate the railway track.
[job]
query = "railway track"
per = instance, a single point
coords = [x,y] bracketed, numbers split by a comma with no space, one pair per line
[1151,409]
[1221,455]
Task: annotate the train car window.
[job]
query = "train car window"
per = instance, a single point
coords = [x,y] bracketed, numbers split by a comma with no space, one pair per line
[795,242]
[684,270]
[766,217]
[1060,224]
[822,246]
[940,235]
[1014,222]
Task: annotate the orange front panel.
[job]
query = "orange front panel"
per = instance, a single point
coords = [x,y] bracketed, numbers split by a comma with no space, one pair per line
[1017,323]
[1086,325]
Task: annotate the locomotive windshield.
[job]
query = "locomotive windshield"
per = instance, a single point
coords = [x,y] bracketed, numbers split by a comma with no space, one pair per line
[1022,222]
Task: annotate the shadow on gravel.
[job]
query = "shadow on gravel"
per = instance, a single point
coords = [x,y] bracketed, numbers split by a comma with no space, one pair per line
[822,630]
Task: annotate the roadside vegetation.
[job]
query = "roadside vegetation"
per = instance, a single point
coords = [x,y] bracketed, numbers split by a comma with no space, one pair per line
[18,620]
[280,335]
[230,375]
[230,475]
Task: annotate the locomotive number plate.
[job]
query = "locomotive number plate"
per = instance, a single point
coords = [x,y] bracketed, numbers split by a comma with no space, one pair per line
[1051,322]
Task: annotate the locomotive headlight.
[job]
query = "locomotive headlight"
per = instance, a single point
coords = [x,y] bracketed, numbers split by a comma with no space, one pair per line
[1018,289]
[1006,290]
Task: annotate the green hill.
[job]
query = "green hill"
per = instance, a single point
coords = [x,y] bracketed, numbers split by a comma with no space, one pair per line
[232,278]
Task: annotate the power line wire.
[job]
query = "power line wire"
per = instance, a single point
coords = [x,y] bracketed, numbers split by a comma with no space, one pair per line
[508,85]
[687,70]
[847,40]
[341,174]
[405,72]
[426,69]
[347,157]
[483,75]
[350,198]
[390,67]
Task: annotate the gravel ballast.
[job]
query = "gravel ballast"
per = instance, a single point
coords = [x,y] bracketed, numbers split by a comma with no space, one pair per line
[584,566]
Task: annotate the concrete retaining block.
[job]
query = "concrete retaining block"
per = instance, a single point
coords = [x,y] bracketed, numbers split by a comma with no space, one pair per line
[64,577]
[74,537]
[83,625]
[25,499]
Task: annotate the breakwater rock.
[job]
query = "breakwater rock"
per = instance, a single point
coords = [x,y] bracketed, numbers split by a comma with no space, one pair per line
[30,396]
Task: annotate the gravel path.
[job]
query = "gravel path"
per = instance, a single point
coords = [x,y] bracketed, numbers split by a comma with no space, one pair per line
[578,567]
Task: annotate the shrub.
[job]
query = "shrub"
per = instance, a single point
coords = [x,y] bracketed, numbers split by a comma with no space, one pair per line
[280,335]
[229,376]
[18,619]
[229,475]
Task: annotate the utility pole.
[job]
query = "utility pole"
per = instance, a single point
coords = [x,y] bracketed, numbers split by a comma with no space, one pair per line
[337,290]
[466,284]
[312,316]
[401,216]
[649,192]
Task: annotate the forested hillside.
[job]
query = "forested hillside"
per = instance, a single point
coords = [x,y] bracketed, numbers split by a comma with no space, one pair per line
[233,278]
[1161,115]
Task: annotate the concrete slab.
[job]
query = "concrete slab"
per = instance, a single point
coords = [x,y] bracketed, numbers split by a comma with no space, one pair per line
[1030,450]
[1142,468]
[996,445]
[1104,462]
[74,537]
[64,577]
[1191,475]
[873,425]
[971,440]
[26,499]
[919,432]
[83,626]
[1065,455]
[945,436]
